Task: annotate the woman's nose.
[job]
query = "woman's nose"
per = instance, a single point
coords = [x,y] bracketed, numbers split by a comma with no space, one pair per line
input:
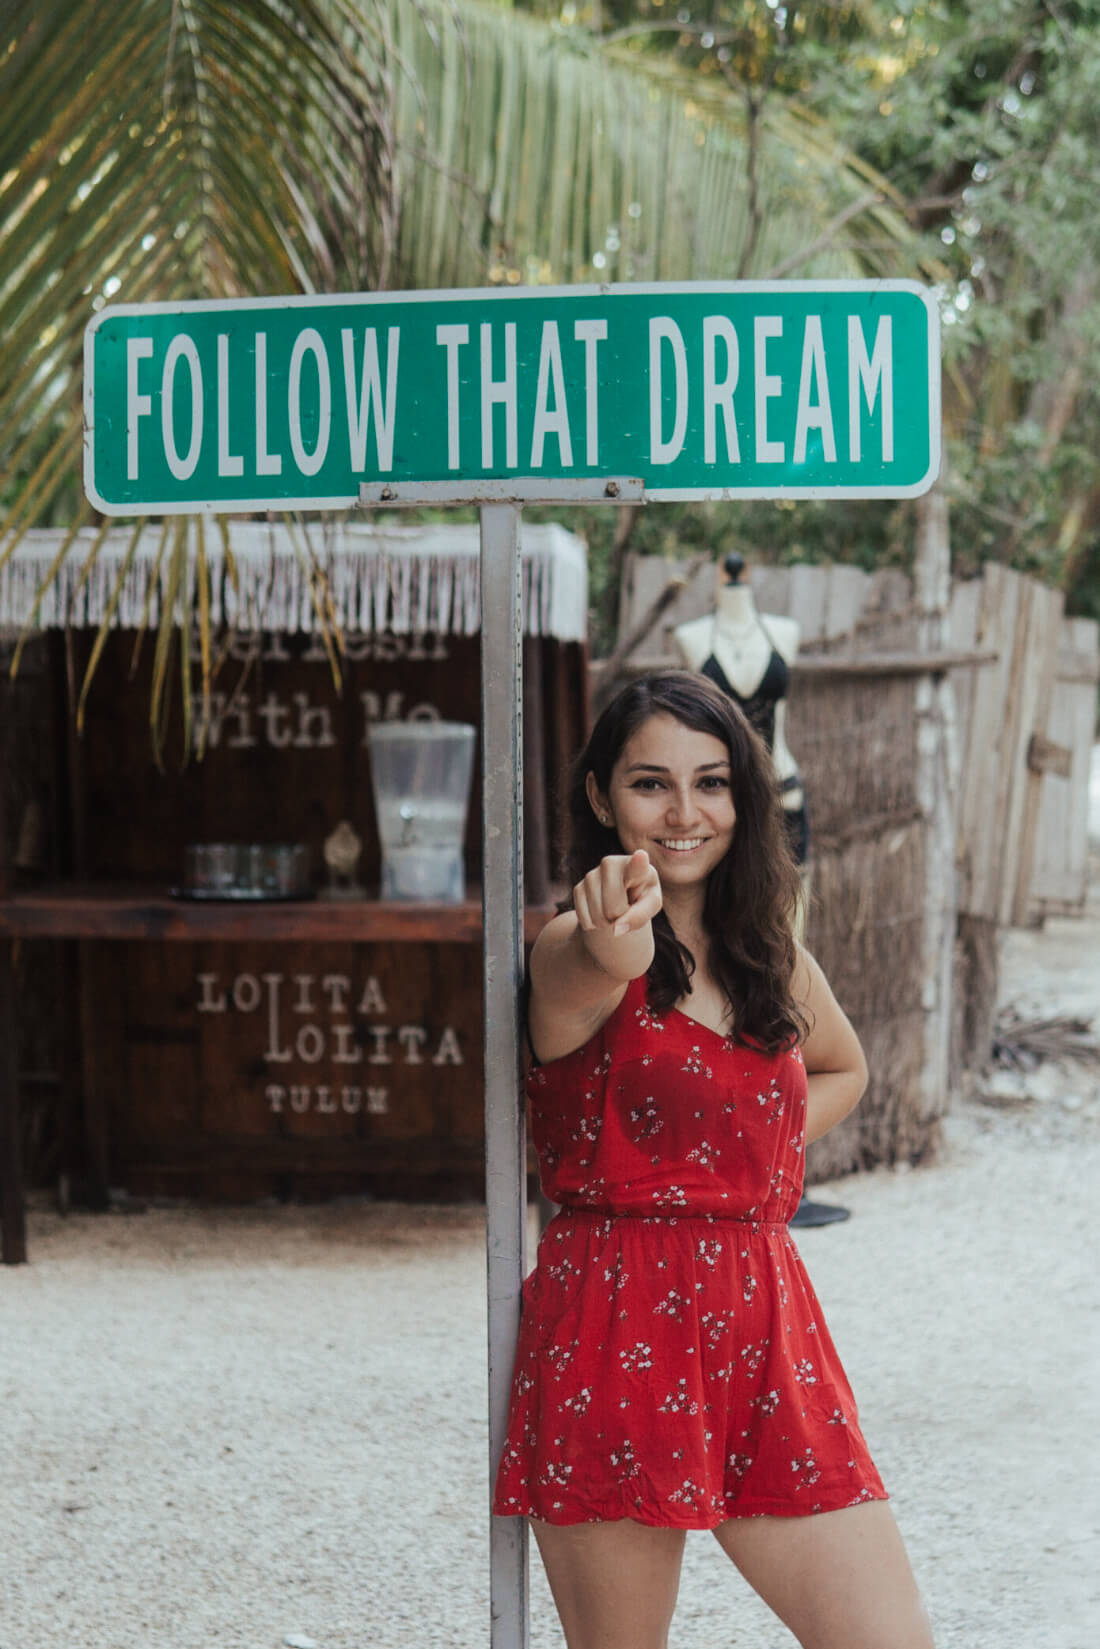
[681,805]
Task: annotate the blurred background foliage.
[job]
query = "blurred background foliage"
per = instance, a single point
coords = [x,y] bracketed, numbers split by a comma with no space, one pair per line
[172,149]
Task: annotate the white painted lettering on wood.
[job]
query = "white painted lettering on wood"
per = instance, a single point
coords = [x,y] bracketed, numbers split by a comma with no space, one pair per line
[310,1020]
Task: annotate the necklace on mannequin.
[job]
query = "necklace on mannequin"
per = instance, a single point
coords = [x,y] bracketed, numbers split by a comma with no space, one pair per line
[738,639]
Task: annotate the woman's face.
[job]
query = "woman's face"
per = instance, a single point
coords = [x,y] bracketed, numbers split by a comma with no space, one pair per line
[669,793]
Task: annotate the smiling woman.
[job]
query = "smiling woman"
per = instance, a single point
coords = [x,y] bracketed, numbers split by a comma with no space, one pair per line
[674,1369]
[674,769]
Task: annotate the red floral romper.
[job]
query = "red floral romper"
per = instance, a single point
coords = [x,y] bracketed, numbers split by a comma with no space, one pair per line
[673,1363]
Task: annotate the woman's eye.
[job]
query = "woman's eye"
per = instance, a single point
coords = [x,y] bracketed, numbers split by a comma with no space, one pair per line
[711,781]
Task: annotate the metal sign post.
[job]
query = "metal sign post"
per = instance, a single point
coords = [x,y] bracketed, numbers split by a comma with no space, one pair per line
[502,953]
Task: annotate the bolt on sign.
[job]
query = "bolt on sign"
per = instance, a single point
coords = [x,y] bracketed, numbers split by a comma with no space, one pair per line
[717,390]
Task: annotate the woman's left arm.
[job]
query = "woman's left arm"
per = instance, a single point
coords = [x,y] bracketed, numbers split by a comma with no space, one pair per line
[836,1070]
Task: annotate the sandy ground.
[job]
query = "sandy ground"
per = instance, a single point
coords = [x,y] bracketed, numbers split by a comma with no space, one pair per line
[266,1426]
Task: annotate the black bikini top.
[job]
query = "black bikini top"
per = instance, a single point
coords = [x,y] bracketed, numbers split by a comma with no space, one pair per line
[759,707]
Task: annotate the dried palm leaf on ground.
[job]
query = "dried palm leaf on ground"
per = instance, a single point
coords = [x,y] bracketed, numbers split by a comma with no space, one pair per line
[1023,1043]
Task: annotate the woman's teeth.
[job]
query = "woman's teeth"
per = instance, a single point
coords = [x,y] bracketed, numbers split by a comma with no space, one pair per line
[683,844]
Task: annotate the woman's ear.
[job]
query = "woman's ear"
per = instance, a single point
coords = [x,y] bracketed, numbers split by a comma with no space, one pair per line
[598,803]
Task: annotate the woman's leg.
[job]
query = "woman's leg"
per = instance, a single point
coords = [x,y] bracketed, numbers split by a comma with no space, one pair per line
[614,1584]
[839,1580]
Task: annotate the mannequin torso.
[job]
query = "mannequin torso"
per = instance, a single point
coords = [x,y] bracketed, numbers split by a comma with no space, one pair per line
[753,655]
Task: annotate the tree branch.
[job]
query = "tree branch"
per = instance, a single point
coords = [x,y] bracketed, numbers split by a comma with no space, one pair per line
[829,233]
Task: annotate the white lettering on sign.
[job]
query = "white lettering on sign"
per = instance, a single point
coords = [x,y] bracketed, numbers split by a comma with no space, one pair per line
[451,338]
[370,400]
[346,1051]
[718,394]
[872,374]
[448,1052]
[661,331]
[371,395]
[273,1053]
[330,1100]
[391,710]
[813,414]
[412,1038]
[372,1000]
[246,993]
[768,386]
[238,723]
[267,463]
[384,647]
[591,333]
[337,986]
[309,1044]
[228,463]
[181,348]
[328,1035]
[137,405]
[499,392]
[547,421]
[309,342]
[208,1002]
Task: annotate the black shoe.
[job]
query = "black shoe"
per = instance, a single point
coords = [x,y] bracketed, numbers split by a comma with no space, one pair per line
[818,1213]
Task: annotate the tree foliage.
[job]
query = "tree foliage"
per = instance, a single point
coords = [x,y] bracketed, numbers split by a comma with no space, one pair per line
[984,118]
[166,149]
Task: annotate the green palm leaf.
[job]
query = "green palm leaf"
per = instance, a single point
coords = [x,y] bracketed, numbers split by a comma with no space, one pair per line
[177,149]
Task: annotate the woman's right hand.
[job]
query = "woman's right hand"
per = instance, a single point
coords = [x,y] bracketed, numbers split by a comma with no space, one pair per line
[621,894]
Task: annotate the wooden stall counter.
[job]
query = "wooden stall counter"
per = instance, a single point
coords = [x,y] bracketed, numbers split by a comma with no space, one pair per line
[94,910]
[235,1051]
[337,1056]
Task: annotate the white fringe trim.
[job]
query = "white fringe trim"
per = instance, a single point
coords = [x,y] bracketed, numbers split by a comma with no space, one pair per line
[401,579]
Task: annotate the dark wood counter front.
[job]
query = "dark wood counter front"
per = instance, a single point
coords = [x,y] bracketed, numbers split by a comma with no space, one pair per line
[356,1047]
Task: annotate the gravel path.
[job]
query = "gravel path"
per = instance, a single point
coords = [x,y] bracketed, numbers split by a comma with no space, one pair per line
[245,1426]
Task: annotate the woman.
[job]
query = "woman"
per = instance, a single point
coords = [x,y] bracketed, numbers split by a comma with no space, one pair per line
[674,1370]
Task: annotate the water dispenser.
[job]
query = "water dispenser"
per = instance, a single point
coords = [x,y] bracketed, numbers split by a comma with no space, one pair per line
[421,772]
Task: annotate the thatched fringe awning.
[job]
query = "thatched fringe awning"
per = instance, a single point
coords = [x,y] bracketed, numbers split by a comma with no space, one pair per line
[403,579]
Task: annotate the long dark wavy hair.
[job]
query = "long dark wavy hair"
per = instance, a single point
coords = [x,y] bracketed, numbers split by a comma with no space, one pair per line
[751,895]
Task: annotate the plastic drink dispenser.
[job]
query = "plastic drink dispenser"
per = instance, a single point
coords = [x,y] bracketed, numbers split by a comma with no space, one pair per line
[421,773]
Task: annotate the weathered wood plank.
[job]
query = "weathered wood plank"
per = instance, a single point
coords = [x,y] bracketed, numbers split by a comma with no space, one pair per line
[1039,650]
[985,779]
[807,601]
[847,591]
[962,631]
[1059,878]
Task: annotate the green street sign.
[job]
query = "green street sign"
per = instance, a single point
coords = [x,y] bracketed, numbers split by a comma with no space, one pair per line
[719,389]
